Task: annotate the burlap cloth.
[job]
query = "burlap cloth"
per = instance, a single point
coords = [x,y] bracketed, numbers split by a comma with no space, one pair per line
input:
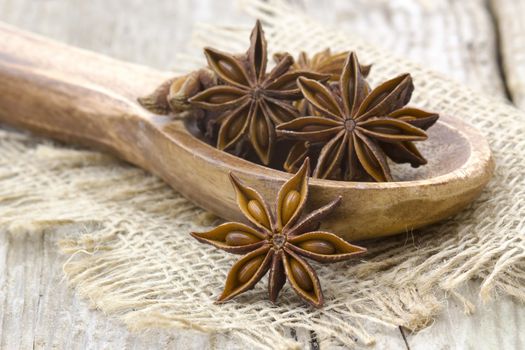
[135,259]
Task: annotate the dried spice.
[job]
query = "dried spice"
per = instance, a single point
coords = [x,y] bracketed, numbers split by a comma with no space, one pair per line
[319,106]
[323,62]
[299,151]
[279,242]
[250,100]
[173,94]
[359,127]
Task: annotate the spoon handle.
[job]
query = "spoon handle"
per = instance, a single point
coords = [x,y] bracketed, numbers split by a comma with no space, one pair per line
[71,94]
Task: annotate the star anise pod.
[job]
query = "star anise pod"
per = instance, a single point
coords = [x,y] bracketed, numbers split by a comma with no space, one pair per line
[252,101]
[406,151]
[279,242]
[359,128]
[173,94]
[323,62]
[299,151]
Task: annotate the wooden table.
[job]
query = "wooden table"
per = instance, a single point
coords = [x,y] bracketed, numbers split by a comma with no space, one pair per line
[462,39]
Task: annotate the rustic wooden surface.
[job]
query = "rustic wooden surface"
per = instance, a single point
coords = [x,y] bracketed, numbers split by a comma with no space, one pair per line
[458,38]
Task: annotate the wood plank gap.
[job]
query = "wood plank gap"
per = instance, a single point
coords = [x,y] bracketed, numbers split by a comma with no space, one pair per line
[498,47]
[404,337]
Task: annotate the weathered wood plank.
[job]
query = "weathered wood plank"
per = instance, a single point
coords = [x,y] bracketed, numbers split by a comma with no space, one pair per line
[134,30]
[456,38]
[38,311]
[495,325]
[509,15]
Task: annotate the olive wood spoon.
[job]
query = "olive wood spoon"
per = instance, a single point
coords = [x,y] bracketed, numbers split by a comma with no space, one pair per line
[81,97]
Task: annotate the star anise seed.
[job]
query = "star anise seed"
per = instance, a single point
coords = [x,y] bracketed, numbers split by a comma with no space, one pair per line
[279,242]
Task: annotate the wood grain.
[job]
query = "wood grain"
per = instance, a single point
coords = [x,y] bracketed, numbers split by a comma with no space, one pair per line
[455,37]
[509,15]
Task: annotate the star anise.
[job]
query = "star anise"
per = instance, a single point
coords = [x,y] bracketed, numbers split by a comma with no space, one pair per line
[252,101]
[359,128]
[406,151]
[323,62]
[278,243]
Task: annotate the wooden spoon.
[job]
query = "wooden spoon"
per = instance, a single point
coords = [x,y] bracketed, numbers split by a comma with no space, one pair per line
[85,98]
